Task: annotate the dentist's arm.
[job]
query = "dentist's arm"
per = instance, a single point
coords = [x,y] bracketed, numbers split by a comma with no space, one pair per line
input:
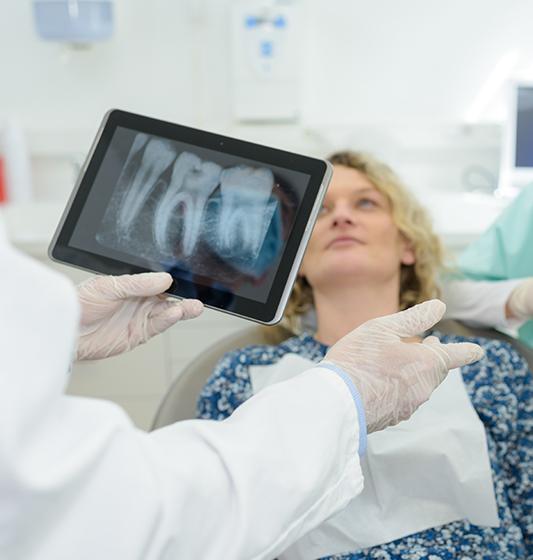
[78,480]
[488,304]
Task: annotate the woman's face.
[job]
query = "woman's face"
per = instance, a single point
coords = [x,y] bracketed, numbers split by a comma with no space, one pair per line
[354,236]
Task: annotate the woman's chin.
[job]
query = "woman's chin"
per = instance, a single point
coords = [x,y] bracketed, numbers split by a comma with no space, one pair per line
[338,271]
[347,262]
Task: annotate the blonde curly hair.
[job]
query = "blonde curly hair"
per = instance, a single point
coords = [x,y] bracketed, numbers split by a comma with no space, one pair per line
[418,282]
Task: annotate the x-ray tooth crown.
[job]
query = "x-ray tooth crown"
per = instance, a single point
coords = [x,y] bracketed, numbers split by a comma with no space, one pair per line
[246,210]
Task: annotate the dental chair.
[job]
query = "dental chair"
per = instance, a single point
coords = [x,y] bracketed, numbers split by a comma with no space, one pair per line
[180,401]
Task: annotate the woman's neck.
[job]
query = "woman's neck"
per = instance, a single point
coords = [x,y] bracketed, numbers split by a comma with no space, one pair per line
[340,309]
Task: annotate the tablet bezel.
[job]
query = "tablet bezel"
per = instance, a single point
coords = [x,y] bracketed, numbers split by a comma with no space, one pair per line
[271,311]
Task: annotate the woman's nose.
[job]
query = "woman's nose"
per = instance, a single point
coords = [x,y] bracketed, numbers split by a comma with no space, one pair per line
[342,216]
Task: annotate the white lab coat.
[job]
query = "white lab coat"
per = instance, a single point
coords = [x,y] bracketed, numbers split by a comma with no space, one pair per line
[78,480]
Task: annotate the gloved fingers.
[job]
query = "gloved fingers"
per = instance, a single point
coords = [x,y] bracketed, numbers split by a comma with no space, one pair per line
[412,321]
[191,308]
[521,300]
[145,284]
[455,354]
[167,313]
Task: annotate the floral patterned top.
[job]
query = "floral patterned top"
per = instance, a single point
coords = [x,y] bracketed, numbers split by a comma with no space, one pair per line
[501,389]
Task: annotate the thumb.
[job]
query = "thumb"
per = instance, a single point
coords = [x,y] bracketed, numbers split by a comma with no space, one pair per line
[414,320]
[167,313]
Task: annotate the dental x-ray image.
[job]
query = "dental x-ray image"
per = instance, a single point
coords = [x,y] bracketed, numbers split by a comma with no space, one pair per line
[227,218]
[176,208]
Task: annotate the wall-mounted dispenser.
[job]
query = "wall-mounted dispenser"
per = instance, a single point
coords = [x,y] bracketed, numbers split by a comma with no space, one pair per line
[74,21]
[265,60]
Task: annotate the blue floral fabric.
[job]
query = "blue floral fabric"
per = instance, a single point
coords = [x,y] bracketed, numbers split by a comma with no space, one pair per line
[501,390]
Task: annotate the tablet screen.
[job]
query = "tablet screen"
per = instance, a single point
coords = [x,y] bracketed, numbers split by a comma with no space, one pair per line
[207,217]
[228,219]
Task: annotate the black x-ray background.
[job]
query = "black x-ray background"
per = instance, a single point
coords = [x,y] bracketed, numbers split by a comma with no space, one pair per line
[203,269]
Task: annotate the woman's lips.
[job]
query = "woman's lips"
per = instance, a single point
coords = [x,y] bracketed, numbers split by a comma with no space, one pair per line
[343,242]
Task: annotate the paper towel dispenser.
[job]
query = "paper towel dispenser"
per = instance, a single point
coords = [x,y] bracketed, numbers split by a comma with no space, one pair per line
[74,21]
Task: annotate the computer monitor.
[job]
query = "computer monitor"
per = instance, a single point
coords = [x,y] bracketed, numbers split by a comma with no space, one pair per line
[517,156]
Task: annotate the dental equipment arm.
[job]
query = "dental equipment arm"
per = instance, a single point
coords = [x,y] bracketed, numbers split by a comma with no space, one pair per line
[119,313]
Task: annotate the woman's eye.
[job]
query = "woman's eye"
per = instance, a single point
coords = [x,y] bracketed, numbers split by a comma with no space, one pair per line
[366,203]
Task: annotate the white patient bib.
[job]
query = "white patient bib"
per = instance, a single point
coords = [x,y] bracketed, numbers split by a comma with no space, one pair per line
[427,471]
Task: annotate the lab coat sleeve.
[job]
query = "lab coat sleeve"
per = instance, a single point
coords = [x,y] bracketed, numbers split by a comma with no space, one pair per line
[77,480]
[479,303]
[265,464]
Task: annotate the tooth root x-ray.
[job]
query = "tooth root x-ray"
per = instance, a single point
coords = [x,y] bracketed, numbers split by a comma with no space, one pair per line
[180,211]
[157,156]
[191,184]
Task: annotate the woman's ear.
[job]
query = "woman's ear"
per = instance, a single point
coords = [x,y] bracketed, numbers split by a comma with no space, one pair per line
[408,254]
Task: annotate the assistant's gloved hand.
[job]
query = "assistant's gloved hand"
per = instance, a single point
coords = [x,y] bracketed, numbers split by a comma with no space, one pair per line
[394,377]
[120,312]
[520,302]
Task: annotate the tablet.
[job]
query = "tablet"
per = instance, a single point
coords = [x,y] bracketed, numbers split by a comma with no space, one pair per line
[228,219]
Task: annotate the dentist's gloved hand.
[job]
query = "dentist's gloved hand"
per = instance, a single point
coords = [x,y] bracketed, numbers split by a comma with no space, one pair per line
[120,312]
[520,302]
[394,377]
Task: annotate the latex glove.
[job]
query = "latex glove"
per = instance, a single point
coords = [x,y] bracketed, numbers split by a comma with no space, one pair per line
[520,302]
[394,377]
[120,312]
